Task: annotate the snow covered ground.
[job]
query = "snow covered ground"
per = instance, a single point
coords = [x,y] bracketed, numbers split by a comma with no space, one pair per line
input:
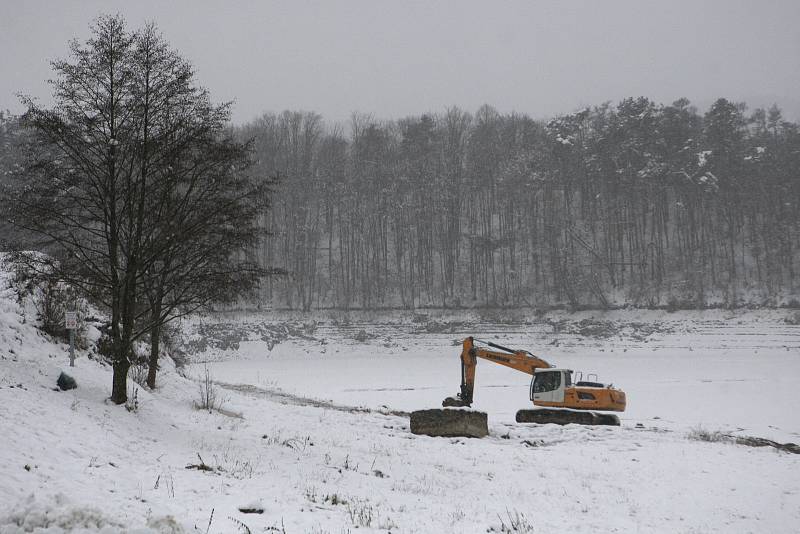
[731,371]
[290,441]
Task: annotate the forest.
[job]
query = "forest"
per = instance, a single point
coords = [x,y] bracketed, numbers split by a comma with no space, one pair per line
[635,204]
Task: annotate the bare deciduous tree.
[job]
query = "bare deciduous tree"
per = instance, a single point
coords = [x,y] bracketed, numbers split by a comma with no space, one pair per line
[135,189]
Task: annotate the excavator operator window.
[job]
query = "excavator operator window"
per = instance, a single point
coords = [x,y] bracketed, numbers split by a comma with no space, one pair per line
[546,381]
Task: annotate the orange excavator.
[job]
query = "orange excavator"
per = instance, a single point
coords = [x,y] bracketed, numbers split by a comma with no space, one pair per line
[551,388]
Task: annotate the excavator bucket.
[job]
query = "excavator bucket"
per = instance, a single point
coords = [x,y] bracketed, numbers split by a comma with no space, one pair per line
[450,423]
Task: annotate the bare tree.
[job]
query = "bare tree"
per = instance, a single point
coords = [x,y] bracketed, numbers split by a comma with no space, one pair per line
[133,188]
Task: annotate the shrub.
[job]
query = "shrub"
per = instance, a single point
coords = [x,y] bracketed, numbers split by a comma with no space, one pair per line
[699,433]
[361,514]
[52,300]
[138,370]
[35,277]
[209,397]
[793,318]
[132,404]
[513,522]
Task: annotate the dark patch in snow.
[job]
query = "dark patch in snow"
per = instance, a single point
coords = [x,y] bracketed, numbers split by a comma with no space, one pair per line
[66,382]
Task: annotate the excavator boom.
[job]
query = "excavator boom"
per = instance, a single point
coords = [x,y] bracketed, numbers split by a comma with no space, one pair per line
[520,360]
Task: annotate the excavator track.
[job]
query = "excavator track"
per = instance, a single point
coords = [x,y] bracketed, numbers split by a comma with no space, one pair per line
[566,417]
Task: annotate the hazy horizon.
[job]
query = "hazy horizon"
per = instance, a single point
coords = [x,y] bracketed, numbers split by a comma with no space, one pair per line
[399,59]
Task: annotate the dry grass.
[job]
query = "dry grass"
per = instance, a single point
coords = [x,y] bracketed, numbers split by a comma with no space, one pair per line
[513,522]
[699,433]
[209,396]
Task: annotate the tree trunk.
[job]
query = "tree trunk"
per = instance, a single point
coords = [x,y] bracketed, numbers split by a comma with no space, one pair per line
[152,366]
[119,385]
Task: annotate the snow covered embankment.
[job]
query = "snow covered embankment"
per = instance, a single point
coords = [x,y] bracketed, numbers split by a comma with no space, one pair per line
[63,454]
[318,467]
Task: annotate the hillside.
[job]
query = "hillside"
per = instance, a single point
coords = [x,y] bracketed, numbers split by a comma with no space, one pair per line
[288,439]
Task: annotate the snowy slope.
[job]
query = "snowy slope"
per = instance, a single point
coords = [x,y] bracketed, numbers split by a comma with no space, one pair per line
[72,462]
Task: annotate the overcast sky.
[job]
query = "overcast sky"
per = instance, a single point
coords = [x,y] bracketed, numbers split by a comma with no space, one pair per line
[401,58]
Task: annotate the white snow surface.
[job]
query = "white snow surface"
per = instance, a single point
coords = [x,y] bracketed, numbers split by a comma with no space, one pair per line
[289,440]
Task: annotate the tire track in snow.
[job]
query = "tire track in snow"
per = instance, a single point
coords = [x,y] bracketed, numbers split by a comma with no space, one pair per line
[281,397]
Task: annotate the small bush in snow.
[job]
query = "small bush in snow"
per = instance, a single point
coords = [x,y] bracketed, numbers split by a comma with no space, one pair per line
[209,397]
[699,433]
[138,371]
[334,499]
[456,516]
[104,345]
[51,299]
[793,319]
[23,281]
[362,336]
[311,493]
[361,514]
[237,462]
[513,522]
[242,527]
[132,404]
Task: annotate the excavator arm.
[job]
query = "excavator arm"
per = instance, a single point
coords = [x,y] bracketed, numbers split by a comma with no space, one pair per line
[520,360]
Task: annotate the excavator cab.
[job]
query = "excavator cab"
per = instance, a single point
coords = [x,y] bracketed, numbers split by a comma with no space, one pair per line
[554,388]
[548,385]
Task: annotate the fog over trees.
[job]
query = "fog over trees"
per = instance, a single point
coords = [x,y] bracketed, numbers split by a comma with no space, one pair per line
[637,203]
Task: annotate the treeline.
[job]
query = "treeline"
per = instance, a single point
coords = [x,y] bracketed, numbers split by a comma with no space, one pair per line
[638,203]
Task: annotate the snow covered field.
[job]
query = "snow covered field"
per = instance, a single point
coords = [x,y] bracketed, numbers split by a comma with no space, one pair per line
[732,371]
[290,441]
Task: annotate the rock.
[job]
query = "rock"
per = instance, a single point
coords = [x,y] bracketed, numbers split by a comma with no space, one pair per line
[66,382]
[450,423]
[254,507]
